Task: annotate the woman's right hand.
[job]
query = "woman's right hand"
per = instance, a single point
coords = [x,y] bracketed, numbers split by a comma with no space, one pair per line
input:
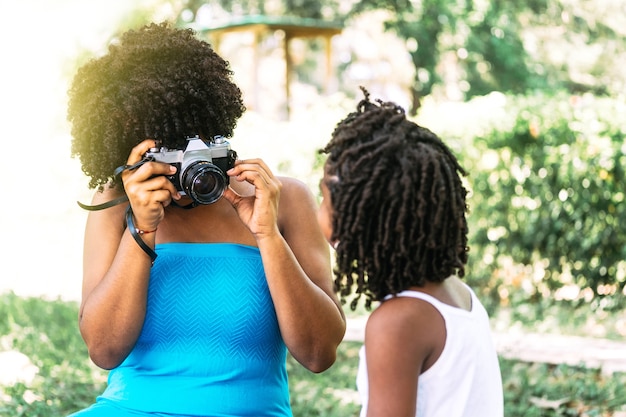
[147,187]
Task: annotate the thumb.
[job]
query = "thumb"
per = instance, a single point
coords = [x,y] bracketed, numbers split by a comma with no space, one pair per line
[231,196]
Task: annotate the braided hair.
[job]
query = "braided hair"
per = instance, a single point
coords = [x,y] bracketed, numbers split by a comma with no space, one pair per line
[157,82]
[398,204]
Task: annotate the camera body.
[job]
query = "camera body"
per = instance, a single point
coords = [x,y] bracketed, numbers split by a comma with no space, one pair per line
[200,168]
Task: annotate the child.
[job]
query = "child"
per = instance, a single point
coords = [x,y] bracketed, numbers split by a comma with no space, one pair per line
[394,209]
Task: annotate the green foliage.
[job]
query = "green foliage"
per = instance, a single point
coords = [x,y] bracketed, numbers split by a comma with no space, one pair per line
[542,390]
[475,46]
[512,47]
[547,202]
[496,59]
[422,25]
[493,57]
[187,10]
[46,331]
[329,394]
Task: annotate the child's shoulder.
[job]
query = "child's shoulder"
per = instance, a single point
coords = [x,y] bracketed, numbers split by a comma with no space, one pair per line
[404,315]
[408,329]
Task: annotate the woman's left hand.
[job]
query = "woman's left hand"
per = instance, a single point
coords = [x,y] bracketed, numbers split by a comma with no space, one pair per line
[259,212]
[295,259]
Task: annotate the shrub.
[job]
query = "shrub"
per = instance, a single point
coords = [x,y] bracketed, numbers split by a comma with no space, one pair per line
[47,333]
[547,202]
[67,381]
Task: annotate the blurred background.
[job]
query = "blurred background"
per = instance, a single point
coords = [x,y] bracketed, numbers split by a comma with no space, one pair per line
[530,95]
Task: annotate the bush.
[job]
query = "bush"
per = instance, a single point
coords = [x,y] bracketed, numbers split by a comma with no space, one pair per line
[547,202]
[67,381]
[542,390]
[47,333]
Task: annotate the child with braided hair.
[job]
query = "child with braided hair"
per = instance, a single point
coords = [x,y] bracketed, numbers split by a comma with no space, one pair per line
[394,210]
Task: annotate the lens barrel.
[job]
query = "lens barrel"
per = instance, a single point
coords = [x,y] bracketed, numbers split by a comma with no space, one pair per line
[203,182]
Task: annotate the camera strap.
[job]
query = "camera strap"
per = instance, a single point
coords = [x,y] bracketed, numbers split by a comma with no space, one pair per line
[118,171]
[103,206]
[186,207]
[129,211]
[135,234]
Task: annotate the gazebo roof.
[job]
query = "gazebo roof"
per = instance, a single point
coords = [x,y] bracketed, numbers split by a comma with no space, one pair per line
[292,26]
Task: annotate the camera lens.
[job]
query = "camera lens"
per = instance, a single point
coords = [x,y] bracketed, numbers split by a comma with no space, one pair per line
[204,182]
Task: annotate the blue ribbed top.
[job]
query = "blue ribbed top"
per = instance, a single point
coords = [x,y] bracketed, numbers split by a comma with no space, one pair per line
[210,344]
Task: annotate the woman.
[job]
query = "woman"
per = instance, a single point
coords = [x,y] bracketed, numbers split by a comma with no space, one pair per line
[190,303]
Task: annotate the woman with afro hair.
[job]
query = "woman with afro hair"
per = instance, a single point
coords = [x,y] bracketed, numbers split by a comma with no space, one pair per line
[191,302]
[394,210]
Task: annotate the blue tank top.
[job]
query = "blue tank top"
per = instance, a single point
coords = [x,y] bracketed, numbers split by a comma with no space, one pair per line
[210,344]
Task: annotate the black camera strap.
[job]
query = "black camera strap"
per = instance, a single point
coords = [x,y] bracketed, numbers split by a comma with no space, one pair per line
[118,171]
[103,206]
[129,211]
[135,234]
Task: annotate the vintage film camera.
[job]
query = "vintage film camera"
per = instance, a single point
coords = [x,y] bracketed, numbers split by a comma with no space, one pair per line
[200,169]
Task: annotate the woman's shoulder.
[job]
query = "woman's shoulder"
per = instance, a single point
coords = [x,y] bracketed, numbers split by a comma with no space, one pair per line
[293,183]
[297,213]
[106,193]
[295,192]
[107,200]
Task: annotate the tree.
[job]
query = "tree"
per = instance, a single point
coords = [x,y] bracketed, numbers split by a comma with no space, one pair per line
[483,36]
[494,45]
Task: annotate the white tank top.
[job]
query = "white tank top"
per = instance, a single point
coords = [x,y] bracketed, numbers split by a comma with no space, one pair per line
[465,381]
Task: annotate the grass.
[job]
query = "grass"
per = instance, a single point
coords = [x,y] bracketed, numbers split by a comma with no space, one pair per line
[46,332]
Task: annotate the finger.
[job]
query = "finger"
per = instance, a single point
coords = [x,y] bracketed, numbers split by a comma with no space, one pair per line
[150,177]
[157,169]
[268,188]
[243,170]
[254,177]
[149,170]
[158,183]
[247,163]
[163,197]
[138,152]
[152,199]
[231,196]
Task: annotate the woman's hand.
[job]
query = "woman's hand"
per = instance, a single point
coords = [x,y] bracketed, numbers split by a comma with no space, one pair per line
[147,188]
[296,261]
[258,212]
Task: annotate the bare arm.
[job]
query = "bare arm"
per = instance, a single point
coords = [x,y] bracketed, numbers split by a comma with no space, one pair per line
[402,338]
[298,270]
[115,269]
[296,261]
[115,281]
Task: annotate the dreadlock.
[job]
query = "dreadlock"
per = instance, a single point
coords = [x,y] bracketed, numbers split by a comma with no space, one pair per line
[398,204]
[156,82]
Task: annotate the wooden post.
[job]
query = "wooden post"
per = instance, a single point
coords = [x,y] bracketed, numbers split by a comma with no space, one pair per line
[329,67]
[256,63]
[288,68]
